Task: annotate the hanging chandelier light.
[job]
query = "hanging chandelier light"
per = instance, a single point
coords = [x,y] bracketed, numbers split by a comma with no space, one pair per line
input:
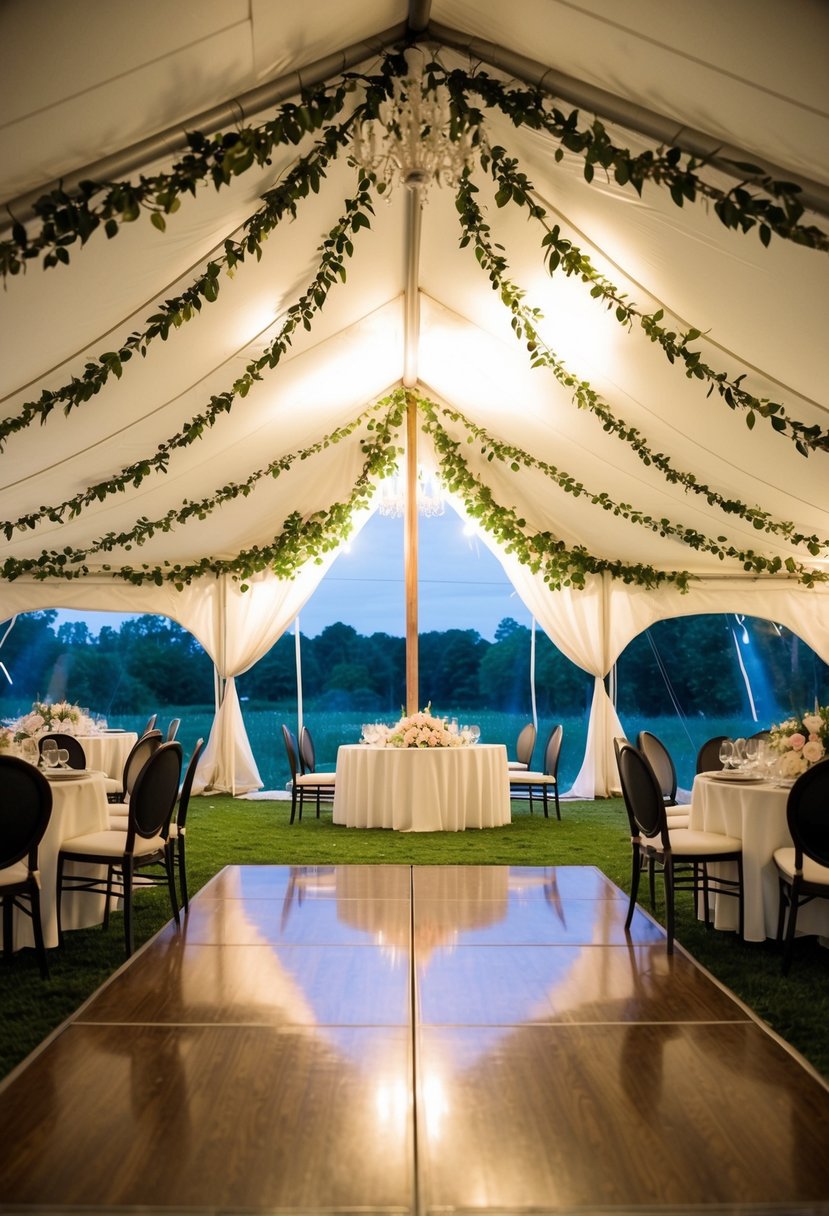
[392,492]
[415,140]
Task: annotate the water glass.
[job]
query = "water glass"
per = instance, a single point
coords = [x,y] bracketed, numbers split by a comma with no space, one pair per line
[738,760]
[726,752]
[62,757]
[474,733]
[752,752]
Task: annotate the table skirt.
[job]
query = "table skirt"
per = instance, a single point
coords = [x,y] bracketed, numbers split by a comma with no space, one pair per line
[422,789]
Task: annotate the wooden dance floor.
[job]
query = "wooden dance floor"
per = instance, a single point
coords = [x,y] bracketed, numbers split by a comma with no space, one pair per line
[436,1039]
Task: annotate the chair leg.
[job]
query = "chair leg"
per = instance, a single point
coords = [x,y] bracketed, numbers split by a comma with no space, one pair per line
[794,894]
[58,894]
[705,899]
[37,928]
[558,805]
[544,796]
[182,873]
[170,868]
[108,898]
[783,900]
[741,901]
[634,884]
[8,927]
[318,802]
[293,802]
[127,875]
[668,873]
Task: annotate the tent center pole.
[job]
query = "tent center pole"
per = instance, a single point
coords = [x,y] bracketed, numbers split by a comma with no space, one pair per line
[410,374]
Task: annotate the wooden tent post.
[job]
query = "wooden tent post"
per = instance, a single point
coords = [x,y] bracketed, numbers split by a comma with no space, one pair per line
[410,556]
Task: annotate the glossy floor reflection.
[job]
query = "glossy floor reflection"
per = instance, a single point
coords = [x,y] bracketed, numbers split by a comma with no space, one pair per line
[428,1040]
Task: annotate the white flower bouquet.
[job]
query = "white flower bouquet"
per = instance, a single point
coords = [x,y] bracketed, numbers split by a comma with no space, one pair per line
[47,718]
[423,729]
[801,741]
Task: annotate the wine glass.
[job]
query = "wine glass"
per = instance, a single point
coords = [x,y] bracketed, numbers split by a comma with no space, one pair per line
[474,733]
[61,757]
[752,752]
[29,750]
[726,753]
[738,760]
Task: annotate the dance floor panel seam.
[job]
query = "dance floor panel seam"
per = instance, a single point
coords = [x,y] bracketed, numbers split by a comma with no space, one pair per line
[457,1050]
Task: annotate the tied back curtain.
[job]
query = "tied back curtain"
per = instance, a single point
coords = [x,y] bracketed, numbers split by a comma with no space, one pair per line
[575,621]
[237,628]
[594,625]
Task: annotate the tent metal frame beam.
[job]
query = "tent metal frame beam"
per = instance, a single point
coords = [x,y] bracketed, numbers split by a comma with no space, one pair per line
[814,194]
[724,156]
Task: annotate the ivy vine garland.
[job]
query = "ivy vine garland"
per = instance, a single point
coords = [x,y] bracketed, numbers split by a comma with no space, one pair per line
[300,540]
[68,220]
[516,458]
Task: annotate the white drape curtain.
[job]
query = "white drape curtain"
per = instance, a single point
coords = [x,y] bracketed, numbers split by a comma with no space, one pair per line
[237,628]
[594,625]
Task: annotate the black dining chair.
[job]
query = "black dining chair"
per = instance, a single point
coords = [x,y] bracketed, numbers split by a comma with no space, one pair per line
[25,811]
[142,852]
[178,824]
[803,867]
[708,756]
[320,785]
[540,783]
[524,747]
[661,762]
[682,855]
[77,756]
[140,752]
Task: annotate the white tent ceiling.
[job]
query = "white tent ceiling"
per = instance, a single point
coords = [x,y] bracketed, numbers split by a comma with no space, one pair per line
[84,81]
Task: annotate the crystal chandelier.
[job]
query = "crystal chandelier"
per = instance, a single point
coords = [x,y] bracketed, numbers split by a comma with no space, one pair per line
[392,493]
[414,140]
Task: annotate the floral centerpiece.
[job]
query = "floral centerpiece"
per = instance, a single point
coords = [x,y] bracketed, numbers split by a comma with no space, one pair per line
[423,729]
[47,717]
[801,741]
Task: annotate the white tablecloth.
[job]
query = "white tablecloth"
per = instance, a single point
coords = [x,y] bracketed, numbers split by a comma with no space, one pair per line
[442,789]
[78,806]
[108,753]
[756,813]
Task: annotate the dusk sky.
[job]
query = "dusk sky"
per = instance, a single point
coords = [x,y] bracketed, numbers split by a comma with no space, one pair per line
[461,584]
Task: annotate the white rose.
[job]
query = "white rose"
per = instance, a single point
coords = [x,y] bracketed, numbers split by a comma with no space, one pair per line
[812,722]
[793,764]
[812,751]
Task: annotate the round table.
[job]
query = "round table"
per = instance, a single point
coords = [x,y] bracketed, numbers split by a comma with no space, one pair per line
[79,805]
[755,812]
[106,753]
[429,789]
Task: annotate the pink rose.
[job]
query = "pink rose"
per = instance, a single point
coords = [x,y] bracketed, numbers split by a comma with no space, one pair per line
[796,742]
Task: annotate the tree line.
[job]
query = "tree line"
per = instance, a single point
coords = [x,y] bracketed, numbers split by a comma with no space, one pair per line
[151,661]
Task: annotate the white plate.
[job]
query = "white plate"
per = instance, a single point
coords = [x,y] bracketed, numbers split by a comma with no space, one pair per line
[64,774]
[728,774]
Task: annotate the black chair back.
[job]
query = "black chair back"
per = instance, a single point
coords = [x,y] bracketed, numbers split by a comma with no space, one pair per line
[154,794]
[708,756]
[807,812]
[187,785]
[525,744]
[307,751]
[552,751]
[659,758]
[77,756]
[642,794]
[25,811]
[292,750]
[140,753]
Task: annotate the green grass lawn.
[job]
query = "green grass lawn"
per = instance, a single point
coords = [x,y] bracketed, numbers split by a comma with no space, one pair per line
[224,831]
